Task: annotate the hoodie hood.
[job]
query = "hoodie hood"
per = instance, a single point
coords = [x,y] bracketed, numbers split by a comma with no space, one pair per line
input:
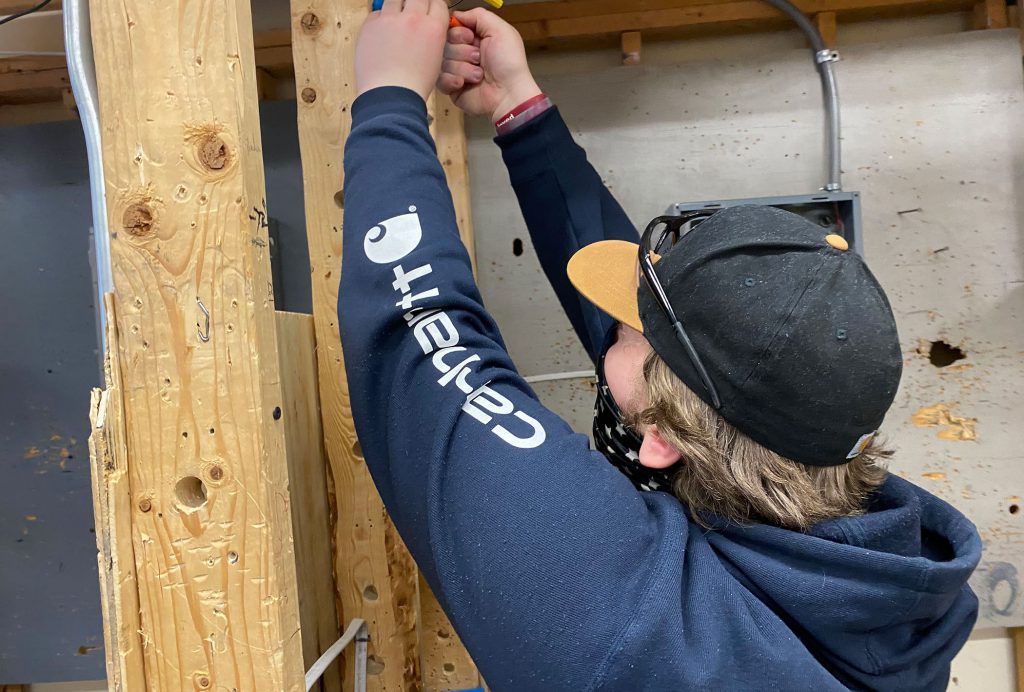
[881,600]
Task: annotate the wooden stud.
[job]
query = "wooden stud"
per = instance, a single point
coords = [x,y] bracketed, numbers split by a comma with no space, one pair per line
[991,14]
[449,131]
[307,465]
[197,345]
[1018,652]
[112,505]
[632,44]
[376,578]
[446,664]
[826,23]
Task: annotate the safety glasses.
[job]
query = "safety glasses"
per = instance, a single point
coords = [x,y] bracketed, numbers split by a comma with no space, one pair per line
[650,244]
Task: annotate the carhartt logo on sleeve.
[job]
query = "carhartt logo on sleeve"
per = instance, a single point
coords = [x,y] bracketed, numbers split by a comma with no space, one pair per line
[391,240]
[387,243]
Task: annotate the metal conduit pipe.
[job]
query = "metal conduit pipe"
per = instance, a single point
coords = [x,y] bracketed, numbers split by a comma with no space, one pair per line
[82,71]
[824,60]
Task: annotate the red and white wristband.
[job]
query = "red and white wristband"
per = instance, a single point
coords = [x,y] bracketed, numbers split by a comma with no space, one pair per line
[522,114]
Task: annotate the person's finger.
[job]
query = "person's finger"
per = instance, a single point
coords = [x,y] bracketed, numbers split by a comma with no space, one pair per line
[462,52]
[416,7]
[439,8]
[471,73]
[449,84]
[461,35]
[479,20]
[391,7]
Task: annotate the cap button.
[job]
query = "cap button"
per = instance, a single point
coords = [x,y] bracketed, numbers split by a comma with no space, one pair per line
[837,241]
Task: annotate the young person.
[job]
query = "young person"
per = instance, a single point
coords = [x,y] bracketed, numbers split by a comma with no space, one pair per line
[745,535]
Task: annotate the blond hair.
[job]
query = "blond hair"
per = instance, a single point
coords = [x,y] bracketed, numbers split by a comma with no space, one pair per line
[726,473]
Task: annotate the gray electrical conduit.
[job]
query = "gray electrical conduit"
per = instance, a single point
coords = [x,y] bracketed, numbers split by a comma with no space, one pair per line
[81,70]
[824,59]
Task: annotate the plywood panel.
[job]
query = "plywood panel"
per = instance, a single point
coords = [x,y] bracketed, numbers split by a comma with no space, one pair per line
[932,142]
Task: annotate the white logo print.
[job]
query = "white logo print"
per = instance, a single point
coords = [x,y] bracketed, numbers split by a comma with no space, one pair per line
[391,240]
[436,333]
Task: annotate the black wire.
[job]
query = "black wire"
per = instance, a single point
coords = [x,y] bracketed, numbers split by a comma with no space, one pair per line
[30,10]
[452,6]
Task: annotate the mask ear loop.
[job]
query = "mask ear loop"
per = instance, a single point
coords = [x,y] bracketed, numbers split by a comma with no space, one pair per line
[646,267]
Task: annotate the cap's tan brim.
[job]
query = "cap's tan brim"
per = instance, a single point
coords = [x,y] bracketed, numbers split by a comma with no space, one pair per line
[606,274]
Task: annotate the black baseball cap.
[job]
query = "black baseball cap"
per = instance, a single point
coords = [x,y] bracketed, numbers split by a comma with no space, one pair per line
[794,330]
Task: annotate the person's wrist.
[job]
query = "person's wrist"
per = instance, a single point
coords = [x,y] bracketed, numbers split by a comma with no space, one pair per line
[515,96]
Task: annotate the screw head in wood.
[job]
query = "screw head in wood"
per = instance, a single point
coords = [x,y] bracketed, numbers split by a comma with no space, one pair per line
[145,504]
[309,95]
[216,473]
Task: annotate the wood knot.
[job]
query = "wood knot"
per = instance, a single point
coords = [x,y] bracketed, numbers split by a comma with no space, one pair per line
[213,152]
[309,95]
[310,23]
[138,220]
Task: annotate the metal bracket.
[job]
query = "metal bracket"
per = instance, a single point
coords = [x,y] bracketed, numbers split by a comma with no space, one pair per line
[827,55]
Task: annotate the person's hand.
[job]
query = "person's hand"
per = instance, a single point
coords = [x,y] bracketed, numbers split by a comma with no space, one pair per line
[402,46]
[485,70]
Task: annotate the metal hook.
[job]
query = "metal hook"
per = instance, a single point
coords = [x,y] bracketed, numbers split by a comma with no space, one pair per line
[203,334]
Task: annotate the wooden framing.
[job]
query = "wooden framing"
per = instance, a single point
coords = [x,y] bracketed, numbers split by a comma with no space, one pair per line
[197,345]
[564,24]
[214,568]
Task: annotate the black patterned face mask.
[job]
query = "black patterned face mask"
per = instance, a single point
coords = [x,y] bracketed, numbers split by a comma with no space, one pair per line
[619,444]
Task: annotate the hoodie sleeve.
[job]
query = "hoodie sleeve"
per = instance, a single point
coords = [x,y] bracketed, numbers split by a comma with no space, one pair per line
[566,207]
[526,536]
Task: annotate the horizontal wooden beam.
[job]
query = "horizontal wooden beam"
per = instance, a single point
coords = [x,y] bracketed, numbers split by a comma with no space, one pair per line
[559,24]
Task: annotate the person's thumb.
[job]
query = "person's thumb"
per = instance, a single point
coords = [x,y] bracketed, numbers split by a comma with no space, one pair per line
[480,21]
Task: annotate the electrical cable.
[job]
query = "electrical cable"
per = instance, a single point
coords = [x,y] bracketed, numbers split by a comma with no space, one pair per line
[357,632]
[823,60]
[30,10]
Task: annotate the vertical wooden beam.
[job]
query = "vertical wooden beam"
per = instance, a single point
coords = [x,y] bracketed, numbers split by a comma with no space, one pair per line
[826,23]
[632,45]
[307,466]
[115,557]
[197,344]
[376,578]
[1018,652]
[991,14]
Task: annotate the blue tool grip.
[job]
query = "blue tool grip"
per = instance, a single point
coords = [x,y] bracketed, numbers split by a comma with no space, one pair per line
[377,5]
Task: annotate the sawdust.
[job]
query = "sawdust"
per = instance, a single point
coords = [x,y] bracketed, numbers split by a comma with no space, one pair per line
[957,428]
[934,476]
[32,452]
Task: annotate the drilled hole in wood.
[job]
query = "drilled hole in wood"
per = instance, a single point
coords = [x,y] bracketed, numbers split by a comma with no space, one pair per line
[374,666]
[232,557]
[1014,509]
[370,593]
[137,220]
[213,152]
[277,413]
[191,492]
[449,668]
[517,247]
[942,354]
[443,634]
[357,450]
[339,199]
[308,95]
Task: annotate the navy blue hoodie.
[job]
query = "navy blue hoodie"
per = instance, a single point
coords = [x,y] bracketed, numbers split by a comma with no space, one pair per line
[556,573]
